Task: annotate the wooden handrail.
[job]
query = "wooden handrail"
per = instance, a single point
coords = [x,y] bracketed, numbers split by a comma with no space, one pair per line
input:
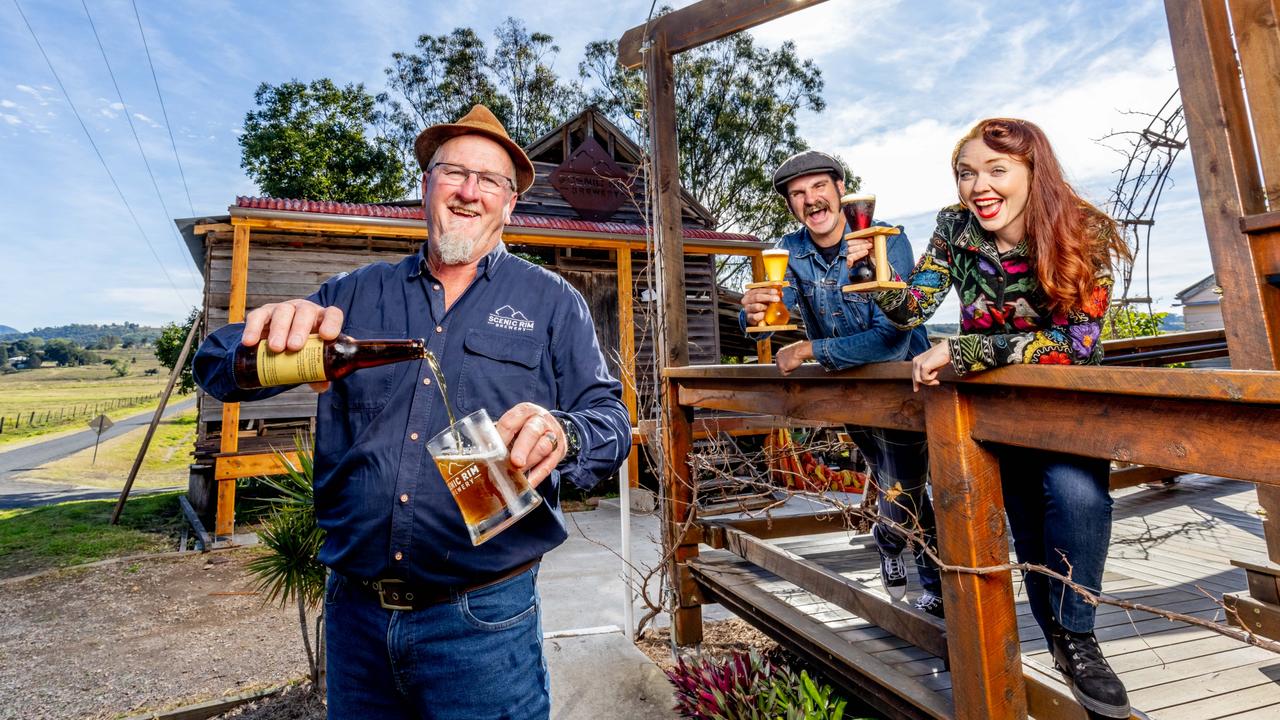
[1236,386]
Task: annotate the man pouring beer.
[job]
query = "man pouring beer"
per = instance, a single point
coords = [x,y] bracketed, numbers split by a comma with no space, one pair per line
[846,330]
[420,621]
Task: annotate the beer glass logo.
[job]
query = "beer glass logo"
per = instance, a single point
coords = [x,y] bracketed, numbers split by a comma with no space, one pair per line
[460,474]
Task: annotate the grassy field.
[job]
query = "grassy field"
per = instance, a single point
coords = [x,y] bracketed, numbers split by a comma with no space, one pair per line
[73,393]
[79,532]
[165,465]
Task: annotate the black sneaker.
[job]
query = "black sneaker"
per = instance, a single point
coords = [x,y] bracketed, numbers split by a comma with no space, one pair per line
[930,603]
[1093,682]
[893,575]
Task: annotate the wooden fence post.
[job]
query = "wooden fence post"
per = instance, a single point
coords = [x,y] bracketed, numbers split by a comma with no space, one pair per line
[982,623]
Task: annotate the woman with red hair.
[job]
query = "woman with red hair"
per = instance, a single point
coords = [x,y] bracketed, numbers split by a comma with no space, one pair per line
[1031,262]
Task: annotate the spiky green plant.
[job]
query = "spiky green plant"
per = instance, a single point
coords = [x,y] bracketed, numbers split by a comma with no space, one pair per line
[290,570]
[750,687]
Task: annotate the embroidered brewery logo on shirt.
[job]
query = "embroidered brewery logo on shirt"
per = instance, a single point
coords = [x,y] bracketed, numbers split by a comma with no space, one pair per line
[508,318]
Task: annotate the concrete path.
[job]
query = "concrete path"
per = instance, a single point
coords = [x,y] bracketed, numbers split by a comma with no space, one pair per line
[18,493]
[596,672]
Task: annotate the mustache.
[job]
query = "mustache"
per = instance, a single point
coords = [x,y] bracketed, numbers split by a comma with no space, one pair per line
[474,208]
[817,206]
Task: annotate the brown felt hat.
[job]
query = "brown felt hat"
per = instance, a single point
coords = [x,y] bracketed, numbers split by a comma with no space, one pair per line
[480,121]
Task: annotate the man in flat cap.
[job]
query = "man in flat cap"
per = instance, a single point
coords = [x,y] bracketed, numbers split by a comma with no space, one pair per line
[419,622]
[846,330]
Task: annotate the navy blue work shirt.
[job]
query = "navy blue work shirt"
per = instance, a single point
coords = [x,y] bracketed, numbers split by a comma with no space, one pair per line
[846,329]
[518,333]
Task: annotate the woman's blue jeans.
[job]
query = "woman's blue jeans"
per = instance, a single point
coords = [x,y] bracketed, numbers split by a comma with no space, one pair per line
[478,657]
[1059,509]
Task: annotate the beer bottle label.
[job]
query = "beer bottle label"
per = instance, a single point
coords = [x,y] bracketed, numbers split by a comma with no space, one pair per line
[292,368]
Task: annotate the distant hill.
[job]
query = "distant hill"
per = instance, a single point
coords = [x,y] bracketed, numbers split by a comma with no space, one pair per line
[86,335]
[6,330]
[1173,322]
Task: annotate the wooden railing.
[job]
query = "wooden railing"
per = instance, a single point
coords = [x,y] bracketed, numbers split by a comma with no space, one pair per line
[1222,422]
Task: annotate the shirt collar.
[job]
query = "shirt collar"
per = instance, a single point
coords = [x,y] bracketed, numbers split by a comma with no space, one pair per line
[487,266]
[809,248]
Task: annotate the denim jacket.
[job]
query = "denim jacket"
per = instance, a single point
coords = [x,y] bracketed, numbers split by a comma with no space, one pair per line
[846,329]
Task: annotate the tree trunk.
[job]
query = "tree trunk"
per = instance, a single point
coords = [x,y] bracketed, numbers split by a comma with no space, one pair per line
[322,659]
[306,640]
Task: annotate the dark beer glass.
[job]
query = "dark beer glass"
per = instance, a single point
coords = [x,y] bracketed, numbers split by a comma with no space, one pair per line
[859,209]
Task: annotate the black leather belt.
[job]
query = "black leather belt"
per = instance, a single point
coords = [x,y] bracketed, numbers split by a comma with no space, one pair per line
[402,595]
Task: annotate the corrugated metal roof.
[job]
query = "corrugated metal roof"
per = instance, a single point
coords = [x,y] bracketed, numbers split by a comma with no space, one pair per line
[398,212]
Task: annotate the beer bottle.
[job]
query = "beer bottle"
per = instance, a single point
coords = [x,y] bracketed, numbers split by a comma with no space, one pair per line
[256,366]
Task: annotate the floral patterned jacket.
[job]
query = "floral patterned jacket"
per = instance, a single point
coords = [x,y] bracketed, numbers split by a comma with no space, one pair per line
[1004,316]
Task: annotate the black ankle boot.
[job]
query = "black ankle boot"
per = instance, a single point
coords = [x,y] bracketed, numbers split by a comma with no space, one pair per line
[1093,682]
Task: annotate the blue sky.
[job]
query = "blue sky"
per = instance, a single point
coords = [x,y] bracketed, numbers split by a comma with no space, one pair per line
[904,79]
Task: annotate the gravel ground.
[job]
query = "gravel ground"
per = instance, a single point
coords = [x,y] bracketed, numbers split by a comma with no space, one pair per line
[119,640]
[123,639]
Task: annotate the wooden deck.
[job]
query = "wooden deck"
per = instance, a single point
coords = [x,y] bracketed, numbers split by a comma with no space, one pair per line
[1167,545]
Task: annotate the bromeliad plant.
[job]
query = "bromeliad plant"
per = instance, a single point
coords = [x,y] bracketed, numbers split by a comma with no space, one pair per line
[750,687]
[290,570]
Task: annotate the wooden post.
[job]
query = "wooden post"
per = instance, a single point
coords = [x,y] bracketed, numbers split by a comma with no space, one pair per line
[982,625]
[155,420]
[679,534]
[224,523]
[1222,151]
[1228,166]
[627,353]
[672,339]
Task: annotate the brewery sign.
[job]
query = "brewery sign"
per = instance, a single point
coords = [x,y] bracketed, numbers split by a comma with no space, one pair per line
[591,182]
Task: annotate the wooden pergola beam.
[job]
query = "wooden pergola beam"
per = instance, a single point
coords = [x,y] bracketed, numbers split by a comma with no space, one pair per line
[701,23]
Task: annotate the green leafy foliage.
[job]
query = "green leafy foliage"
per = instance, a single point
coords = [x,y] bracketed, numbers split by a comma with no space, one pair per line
[290,570]
[750,687]
[737,106]
[67,353]
[448,74]
[315,142]
[1126,322]
[89,335]
[169,346]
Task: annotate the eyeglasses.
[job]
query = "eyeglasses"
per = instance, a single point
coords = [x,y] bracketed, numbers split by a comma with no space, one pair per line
[489,182]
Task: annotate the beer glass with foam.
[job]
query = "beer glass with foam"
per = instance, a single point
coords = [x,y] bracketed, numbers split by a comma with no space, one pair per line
[775,271]
[473,461]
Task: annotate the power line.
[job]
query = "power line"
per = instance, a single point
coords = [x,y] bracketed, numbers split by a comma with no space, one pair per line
[167,125]
[133,129]
[97,152]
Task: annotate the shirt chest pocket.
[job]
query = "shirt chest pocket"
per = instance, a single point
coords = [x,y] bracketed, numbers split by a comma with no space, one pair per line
[499,371]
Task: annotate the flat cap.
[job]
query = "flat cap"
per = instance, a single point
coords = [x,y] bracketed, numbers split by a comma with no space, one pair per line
[805,163]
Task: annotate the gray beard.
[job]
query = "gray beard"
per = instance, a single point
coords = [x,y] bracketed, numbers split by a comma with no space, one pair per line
[453,249]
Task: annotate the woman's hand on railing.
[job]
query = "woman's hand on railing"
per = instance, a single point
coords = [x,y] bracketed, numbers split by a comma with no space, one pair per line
[925,366]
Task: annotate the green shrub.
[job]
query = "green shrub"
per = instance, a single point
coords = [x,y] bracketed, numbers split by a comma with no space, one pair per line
[749,687]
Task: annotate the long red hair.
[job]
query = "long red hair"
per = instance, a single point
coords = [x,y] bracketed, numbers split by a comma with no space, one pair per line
[1068,238]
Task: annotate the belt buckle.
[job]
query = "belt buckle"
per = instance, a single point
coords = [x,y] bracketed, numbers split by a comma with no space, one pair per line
[395,590]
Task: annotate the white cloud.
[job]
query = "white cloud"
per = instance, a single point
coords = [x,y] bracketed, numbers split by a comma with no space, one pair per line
[8,104]
[39,97]
[146,120]
[11,119]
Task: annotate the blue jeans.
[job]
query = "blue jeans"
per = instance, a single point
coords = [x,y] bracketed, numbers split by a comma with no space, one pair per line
[902,458]
[1059,509]
[478,657]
